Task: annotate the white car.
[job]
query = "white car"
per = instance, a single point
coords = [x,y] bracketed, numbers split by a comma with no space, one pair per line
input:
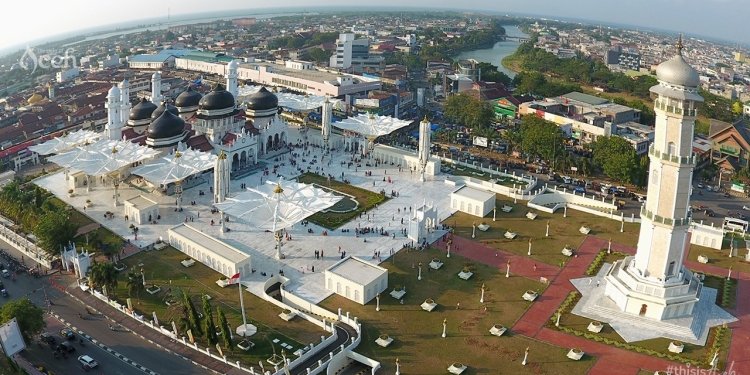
[87,362]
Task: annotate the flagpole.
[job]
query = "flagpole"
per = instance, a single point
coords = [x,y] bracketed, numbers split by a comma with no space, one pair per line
[242,305]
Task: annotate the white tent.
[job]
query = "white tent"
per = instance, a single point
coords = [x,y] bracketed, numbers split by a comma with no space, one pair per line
[370,125]
[175,167]
[245,91]
[103,157]
[276,206]
[296,102]
[65,142]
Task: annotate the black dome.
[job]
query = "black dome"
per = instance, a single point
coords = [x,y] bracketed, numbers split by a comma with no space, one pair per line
[164,106]
[262,100]
[167,125]
[142,110]
[218,98]
[188,98]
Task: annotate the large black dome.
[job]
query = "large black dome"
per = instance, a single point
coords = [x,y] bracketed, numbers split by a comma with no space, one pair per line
[188,98]
[142,110]
[217,99]
[163,107]
[262,100]
[167,125]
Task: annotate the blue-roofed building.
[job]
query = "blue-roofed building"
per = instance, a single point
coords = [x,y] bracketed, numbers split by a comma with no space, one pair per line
[162,59]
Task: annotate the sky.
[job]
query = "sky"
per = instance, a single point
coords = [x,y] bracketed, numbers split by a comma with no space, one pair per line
[26,21]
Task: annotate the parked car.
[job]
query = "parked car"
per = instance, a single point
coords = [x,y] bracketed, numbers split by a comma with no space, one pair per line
[4,292]
[48,338]
[65,347]
[68,333]
[6,273]
[87,362]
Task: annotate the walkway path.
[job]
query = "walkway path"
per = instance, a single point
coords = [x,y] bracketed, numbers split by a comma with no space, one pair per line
[611,360]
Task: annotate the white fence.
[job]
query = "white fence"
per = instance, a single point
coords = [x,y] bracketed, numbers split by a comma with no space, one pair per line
[23,244]
[525,183]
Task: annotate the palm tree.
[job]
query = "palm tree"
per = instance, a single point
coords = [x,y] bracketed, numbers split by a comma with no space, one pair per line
[135,284]
[103,275]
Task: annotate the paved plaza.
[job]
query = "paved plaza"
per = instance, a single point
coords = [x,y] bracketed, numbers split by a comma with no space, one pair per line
[300,251]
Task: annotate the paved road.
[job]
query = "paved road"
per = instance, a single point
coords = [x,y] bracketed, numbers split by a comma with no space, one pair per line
[42,354]
[141,351]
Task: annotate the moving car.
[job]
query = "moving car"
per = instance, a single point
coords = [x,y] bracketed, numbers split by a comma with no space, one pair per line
[6,273]
[68,334]
[87,362]
[48,338]
[65,347]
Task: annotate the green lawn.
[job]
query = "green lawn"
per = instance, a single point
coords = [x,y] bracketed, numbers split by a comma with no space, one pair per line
[333,220]
[416,333]
[563,231]
[720,258]
[163,268]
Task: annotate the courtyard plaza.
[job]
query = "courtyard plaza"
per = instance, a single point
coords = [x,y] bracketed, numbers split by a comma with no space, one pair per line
[299,252]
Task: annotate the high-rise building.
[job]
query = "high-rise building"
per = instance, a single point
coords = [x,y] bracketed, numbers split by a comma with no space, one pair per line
[354,54]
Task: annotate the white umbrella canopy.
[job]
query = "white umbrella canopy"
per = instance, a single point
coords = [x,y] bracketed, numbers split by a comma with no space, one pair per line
[103,157]
[296,102]
[65,142]
[370,125]
[245,91]
[277,205]
[176,166]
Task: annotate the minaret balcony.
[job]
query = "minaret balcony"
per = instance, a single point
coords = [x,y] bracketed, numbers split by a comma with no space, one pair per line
[663,105]
[672,158]
[665,220]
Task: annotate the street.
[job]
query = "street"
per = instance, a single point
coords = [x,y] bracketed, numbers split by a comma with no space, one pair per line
[127,344]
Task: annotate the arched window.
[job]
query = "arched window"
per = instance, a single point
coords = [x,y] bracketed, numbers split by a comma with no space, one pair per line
[671,148]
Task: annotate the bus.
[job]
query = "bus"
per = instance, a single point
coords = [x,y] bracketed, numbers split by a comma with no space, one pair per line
[734,224]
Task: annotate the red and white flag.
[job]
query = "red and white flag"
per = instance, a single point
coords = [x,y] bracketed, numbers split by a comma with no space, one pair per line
[234,279]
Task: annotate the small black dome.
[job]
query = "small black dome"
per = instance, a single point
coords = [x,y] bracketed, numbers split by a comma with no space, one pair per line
[188,98]
[218,98]
[167,125]
[262,100]
[142,110]
[163,107]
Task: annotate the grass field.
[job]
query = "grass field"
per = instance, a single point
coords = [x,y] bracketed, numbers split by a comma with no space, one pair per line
[333,220]
[720,258]
[417,334]
[163,268]
[563,231]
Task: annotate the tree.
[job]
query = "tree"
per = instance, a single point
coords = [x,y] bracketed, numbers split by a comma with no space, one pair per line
[135,284]
[195,319]
[208,321]
[616,157]
[30,317]
[318,55]
[226,332]
[491,74]
[54,230]
[103,275]
[541,138]
[737,108]
[468,111]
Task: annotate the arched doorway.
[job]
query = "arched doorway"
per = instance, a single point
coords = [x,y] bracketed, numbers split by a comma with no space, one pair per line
[269,144]
[644,307]
[243,159]
[235,162]
[276,141]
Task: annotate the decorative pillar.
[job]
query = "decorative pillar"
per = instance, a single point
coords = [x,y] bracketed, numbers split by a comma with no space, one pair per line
[525,356]
[445,324]
[481,298]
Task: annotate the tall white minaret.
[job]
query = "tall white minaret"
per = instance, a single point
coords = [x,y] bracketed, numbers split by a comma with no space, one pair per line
[654,283]
[326,122]
[113,128]
[424,147]
[156,88]
[232,78]
[221,178]
[124,100]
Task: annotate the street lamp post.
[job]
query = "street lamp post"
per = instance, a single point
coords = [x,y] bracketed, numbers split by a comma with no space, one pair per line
[525,356]
[507,269]
[377,302]
[481,298]
[529,252]
[419,274]
[445,323]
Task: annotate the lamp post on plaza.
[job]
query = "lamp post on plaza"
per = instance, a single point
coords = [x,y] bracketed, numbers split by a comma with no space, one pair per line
[445,323]
[481,298]
[546,234]
[419,274]
[377,302]
[529,252]
[507,269]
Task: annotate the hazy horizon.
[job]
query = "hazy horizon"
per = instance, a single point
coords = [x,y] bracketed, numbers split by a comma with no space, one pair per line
[717,19]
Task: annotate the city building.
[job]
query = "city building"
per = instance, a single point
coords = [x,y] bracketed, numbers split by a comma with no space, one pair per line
[354,54]
[66,75]
[590,116]
[473,201]
[297,76]
[623,58]
[156,61]
[730,144]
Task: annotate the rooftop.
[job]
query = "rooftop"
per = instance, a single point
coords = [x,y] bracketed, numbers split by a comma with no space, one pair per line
[219,247]
[585,98]
[356,269]
[307,74]
[475,194]
[141,202]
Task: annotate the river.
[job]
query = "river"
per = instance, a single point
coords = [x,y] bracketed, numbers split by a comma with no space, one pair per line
[495,54]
